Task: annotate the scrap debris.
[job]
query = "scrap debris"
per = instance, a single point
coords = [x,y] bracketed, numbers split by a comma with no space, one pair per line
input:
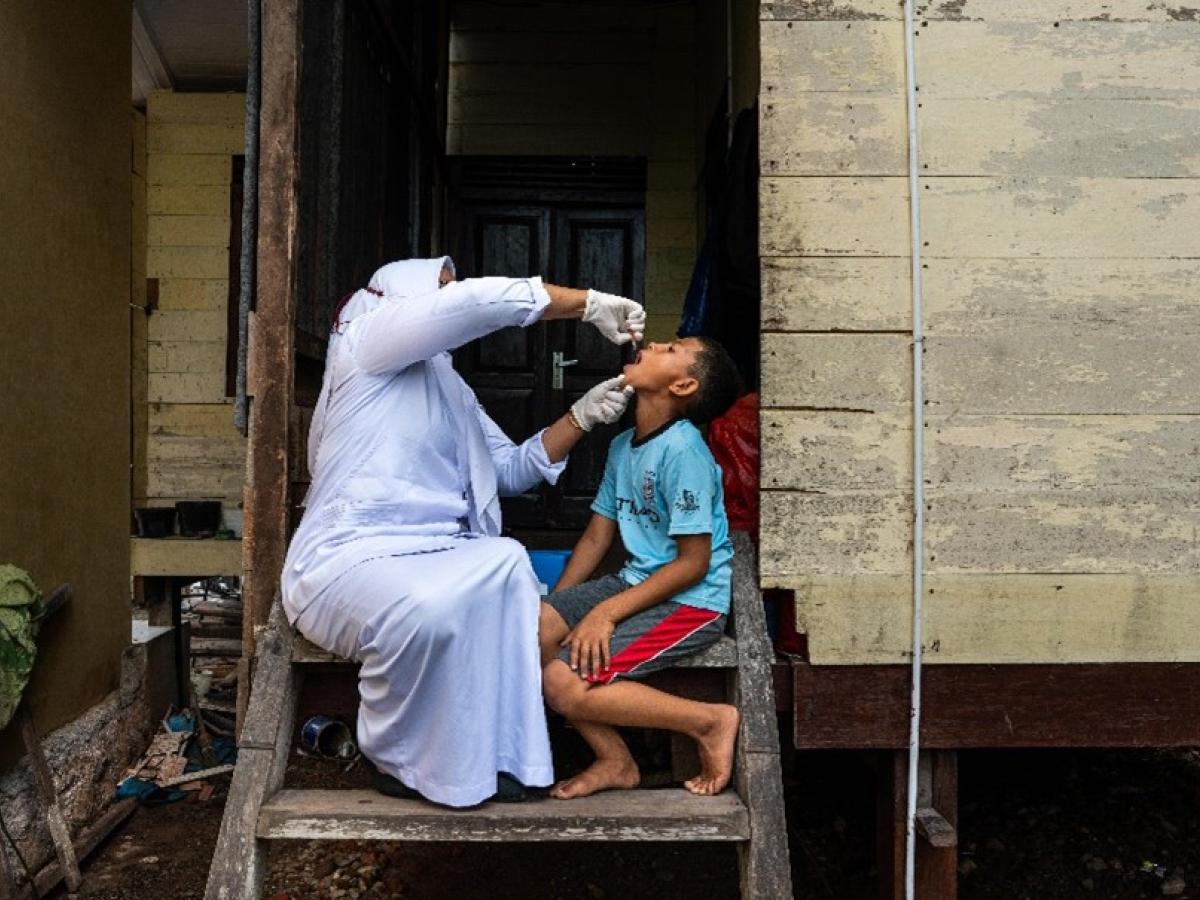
[175,765]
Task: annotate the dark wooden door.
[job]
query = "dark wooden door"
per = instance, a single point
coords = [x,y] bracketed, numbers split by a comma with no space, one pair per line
[513,371]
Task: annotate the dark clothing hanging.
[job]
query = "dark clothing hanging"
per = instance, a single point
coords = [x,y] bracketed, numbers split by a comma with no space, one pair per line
[724,298]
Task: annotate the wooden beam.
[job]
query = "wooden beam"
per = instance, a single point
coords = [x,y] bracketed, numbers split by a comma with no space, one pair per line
[1086,705]
[184,556]
[271,361]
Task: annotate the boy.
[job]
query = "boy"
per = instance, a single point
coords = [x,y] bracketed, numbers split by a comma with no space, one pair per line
[662,490]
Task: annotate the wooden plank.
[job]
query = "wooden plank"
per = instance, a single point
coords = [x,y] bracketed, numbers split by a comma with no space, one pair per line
[846,372]
[658,815]
[934,829]
[192,108]
[188,325]
[997,618]
[193,419]
[1031,454]
[816,56]
[752,680]
[833,534]
[48,878]
[184,556]
[836,451]
[211,169]
[937,823]
[177,387]
[208,294]
[60,834]
[187,262]
[834,217]
[196,357]
[225,138]
[1044,217]
[187,200]
[993,296]
[1063,59]
[1112,705]
[239,860]
[764,861]
[1132,531]
[836,133]
[189,231]
[1035,137]
[1111,11]
[836,294]
[1071,368]
[721,655]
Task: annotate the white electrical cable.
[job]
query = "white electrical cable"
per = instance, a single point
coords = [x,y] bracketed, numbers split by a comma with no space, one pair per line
[918,424]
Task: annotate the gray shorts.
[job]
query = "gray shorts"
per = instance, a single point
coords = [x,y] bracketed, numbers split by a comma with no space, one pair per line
[656,638]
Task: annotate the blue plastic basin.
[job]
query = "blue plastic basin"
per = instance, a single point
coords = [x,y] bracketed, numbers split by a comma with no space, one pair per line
[548,565]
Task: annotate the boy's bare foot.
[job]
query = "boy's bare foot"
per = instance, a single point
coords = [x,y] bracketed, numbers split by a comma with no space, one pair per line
[602,775]
[716,752]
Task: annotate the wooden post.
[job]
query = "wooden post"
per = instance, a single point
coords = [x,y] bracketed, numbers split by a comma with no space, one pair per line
[59,832]
[271,362]
[937,843]
[937,823]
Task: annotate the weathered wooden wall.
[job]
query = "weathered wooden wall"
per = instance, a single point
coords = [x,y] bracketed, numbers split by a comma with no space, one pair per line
[192,449]
[592,79]
[1061,248]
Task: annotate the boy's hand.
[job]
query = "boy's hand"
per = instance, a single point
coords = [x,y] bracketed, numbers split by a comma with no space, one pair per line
[589,643]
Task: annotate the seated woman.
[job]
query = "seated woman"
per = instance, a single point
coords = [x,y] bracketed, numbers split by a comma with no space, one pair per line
[398,562]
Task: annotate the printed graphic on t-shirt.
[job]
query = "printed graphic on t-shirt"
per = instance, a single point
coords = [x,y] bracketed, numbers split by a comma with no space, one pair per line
[687,502]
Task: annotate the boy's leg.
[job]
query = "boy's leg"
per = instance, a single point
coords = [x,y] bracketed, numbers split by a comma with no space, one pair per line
[613,769]
[713,726]
[614,766]
[552,628]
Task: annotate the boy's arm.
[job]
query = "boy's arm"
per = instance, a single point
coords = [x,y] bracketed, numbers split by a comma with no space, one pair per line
[589,550]
[589,640]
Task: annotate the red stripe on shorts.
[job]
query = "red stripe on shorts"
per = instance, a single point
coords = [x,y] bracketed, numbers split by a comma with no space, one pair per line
[674,629]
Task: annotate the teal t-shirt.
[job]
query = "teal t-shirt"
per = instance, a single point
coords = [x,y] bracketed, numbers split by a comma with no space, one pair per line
[665,485]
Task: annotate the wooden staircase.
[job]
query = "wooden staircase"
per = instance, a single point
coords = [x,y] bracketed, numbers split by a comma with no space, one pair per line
[749,812]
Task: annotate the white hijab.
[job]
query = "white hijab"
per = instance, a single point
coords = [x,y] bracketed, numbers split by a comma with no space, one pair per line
[395,282]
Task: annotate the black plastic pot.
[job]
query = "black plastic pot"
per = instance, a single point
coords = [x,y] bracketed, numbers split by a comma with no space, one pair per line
[198,518]
[155,521]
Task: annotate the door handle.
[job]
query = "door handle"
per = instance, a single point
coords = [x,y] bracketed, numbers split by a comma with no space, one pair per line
[557,365]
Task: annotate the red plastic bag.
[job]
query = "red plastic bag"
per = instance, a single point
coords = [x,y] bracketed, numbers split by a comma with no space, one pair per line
[733,439]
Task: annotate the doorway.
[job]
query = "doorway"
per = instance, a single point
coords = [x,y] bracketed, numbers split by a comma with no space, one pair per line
[577,221]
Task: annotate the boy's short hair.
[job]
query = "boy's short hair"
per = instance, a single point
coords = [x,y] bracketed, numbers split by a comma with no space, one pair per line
[720,383]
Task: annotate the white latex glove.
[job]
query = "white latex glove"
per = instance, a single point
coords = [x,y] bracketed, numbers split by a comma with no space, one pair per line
[603,404]
[619,319]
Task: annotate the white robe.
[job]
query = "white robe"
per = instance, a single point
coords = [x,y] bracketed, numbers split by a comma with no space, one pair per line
[397,562]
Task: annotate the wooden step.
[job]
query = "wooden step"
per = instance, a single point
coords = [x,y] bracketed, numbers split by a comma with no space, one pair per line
[641,815]
[721,655]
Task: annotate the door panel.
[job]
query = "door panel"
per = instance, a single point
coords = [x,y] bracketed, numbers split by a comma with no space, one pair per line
[511,371]
[512,241]
[601,249]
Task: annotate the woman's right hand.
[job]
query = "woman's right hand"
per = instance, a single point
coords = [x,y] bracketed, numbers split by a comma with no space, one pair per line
[619,319]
